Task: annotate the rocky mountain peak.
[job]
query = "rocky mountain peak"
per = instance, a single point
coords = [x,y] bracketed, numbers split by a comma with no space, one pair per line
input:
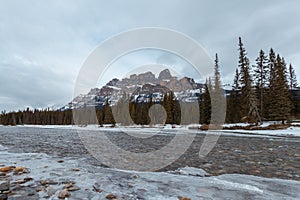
[142,87]
[165,74]
[113,82]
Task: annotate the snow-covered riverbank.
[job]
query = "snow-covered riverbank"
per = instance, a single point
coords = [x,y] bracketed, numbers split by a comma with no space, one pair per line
[291,131]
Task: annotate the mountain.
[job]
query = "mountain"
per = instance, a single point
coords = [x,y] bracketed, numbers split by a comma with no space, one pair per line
[140,87]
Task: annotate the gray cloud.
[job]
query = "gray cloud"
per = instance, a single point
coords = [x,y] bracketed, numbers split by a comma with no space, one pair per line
[44,43]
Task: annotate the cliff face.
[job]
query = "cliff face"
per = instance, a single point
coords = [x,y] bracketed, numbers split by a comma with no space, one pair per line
[164,78]
[165,75]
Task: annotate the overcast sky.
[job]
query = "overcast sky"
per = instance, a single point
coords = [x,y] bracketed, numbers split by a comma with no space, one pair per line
[44,43]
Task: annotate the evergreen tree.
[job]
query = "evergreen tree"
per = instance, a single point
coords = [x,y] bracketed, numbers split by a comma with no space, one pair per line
[149,105]
[261,72]
[245,80]
[272,64]
[144,113]
[271,81]
[121,110]
[292,86]
[175,107]
[205,104]
[217,74]
[280,103]
[292,78]
[209,84]
[166,104]
[217,95]
[236,82]
[100,116]
[201,107]
[172,108]
[132,111]
[233,109]
[108,115]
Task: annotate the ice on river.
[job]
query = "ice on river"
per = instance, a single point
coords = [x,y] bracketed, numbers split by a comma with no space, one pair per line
[188,182]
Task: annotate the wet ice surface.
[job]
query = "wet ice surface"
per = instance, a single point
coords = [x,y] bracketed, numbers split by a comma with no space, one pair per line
[187,182]
[146,185]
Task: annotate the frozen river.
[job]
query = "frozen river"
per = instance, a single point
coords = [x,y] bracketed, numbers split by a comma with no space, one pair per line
[58,156]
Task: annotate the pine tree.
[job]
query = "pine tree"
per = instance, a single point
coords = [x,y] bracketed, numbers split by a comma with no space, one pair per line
[166,104]
[205,104]
[172,108]
[245,80]
[121,110]
[236,82]
[209,84]
[280,103]
[271,81]
[292,78]
[82,116]
[272,64]
[233,109]
[175,108]
[217,95]
[261,72]
[201,107]
[292,86]
[108,115]
[100,116]
[217,74]
[149,105]
[145,114]
[132,111]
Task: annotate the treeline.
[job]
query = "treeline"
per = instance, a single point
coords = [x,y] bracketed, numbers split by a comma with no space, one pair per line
[37,117]
[264,91]
[125,113]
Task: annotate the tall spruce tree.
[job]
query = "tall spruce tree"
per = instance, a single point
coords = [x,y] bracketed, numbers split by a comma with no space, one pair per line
[280,103]
[217,95]
[292,78]
[205,104]
[233,109]
[132,111]
[108,115]
[172,108]
[217,74]
[168,108]
[245,80]
[292,86]
[271,81]
[176,113]
[261,72]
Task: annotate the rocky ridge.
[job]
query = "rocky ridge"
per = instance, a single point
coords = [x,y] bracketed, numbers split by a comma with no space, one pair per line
[141,87]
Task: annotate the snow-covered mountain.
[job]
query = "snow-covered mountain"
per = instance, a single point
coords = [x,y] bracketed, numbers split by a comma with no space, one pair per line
[141,88]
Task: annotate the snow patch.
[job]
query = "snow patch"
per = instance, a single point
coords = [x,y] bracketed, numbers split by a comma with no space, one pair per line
[191,171]
[238,186]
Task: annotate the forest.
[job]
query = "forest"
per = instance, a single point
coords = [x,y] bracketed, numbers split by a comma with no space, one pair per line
[265,91]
